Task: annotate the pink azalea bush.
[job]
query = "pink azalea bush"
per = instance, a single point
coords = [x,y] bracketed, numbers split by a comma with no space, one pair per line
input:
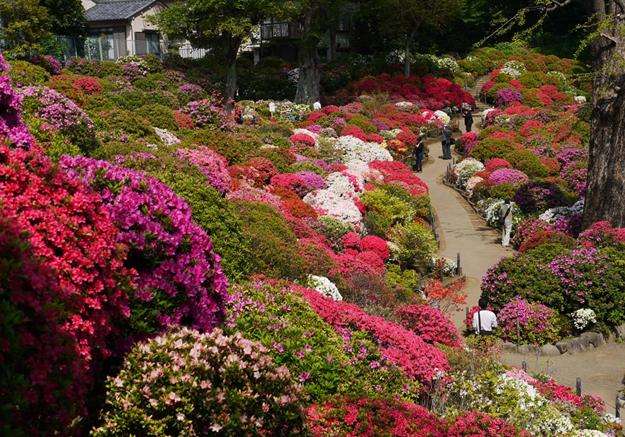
[201,384]
[180,276]
[302,182]
[398,345]
[429,323]
[477,424]
[211,164]
[507,176]
[56,110]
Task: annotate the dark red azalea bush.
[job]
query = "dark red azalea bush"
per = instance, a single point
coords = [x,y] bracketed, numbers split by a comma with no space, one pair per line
[428,92]
[476,424]
[430,324]
[180,276]
[371,418]
[398,345]
[398,172]
[63,292]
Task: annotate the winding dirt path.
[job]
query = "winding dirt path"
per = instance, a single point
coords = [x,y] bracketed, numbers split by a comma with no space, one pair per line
[462,231]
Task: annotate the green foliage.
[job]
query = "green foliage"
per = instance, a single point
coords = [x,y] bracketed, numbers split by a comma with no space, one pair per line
[90,67]
[333,230]
[275,249]
[416,245]
[25,29]
[389,205]
[67,17]
[526,161]
[158,116]
[404,283]
[24,73]
[489,148]
[300,340]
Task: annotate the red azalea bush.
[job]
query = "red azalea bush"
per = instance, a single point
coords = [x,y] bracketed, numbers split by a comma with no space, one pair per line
[496,163]
[476,424]
[88,85]
[304,139]
[398,172]
[354,131]
[63,292]
[372,417]
[180,275]
[602,234]
[183,121]
[377,245]
[429,323]
[401,347]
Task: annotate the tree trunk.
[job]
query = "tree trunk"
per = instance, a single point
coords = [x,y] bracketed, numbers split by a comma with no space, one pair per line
[605,199]
[308,84]
[332,46]
[407,58]
[232,51]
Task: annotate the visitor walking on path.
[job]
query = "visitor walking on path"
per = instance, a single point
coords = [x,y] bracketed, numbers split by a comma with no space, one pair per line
[484,320]
[419,154]
[446,141]
[468,118]
[506,221]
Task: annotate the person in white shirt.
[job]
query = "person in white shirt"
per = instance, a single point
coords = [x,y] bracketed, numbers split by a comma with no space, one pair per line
[506,223]
[484,321]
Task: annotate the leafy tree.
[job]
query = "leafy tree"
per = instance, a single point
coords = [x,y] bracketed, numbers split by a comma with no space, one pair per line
[218,24]
[25,28]
[67,17]
[403,20]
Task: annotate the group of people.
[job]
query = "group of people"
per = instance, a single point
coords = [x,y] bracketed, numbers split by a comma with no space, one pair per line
[418,151]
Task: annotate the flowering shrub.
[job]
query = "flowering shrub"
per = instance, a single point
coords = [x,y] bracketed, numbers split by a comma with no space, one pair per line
[301,182]
[539,196]
[56,109]
[429,323]
[11,125]
[324,286]
[371,417]
[191,90]
[50,63]
[583,317]
[325,362]
[398,345]
[208,112]
[211,164]
[508,96]
[302,138]
[376,245]
[180,276]
[87,85]
[188,382]
[496,163]
[476,424]
[507,176]
[522,322]
[64,292]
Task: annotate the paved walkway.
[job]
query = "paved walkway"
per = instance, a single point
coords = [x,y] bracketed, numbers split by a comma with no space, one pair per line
[462,231]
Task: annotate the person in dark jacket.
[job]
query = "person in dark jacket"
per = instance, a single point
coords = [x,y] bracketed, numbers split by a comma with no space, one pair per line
[419,154]
[468,118]
[446,141]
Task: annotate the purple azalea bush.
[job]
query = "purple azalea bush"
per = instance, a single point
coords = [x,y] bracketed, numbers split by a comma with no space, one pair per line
[180,277]
[507,176]
[211,164]
[208,112]
[572,271]
[192,90]
[522,322]
[508,96]
[11,125]
[56,110]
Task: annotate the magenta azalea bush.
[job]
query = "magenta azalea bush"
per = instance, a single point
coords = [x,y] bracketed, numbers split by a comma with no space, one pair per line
[523,322]
[507,176]
[180,276]
[211,164]
[11,125]
[302,182]
[508,96]
[188,383]
[56,110]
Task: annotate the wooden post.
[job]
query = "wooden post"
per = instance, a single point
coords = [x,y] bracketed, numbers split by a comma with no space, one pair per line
[617,407]
[578,386]
[458,267]
[524,366]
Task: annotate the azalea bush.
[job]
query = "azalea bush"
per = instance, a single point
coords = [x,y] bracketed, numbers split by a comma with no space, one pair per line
[64,293]
[180,275]
[522,322]
[431,324]
[186,381]
[370,417]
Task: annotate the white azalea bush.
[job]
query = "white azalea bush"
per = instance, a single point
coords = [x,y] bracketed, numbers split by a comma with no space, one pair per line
[513,69]
[583,318]
[188,383]
[324,286]
[465,170]
[491,210]
[355,149]
[511,399]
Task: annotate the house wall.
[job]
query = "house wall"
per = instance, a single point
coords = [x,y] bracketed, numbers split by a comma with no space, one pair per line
[140,23]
